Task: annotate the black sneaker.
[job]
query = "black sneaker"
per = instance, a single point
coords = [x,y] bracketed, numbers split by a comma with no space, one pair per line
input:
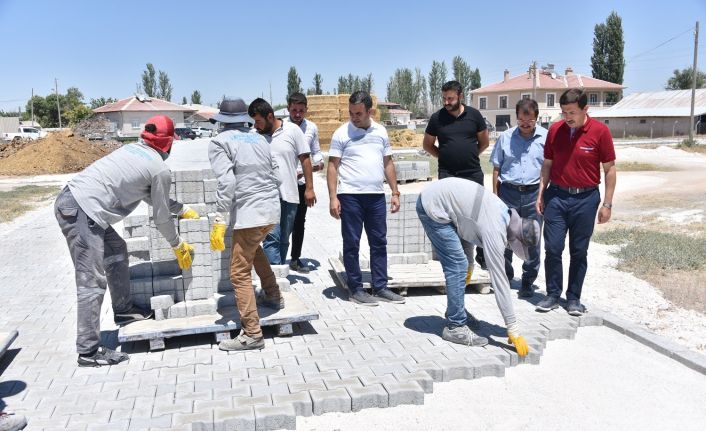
[273,303]
[242,342]
[575,308]
[548,304]
[12,422]
[103,356]
[480,259]
[363,298]
[389,296]
[132,315]
[526,291]
[298,266]
[463,335]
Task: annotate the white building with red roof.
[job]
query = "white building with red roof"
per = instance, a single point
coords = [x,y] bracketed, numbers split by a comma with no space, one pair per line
[130,115]
[497,101]
[397,114]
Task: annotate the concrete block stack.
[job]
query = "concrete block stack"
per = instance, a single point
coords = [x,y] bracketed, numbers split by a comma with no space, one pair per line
[155,277]
[412,171]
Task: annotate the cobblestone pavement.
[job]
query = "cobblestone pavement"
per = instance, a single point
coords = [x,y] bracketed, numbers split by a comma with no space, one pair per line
[353,358]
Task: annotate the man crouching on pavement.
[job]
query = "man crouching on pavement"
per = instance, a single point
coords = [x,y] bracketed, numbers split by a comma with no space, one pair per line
[248,190]
[458,214]
[105,193]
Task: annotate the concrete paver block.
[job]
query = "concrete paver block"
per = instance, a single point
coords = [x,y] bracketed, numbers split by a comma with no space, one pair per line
[275,417]
[404,393]
[301,401]
[365,397]
[335,400]
[237,418]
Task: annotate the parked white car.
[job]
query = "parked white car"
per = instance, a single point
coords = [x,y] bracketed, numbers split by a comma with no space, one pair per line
[24,132]
[203,132]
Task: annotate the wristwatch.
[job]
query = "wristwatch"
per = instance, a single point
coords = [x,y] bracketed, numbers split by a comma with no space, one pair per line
[609,206]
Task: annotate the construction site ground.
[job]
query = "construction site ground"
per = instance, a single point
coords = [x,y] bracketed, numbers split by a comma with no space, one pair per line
[577,377]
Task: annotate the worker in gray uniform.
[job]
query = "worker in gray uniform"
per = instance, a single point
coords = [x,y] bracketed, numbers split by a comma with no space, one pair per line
[103,194]
[457,215]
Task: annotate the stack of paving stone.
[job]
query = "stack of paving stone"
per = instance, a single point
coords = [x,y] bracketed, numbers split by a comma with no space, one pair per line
[156,280]
[412,171]
[406,241]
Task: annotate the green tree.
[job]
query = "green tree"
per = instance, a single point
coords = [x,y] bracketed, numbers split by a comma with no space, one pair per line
[402,89]
[101,101]
[366,84]
[196,97]
[294,83]
[608,59]
[420,84]
[184,101]
[475,79]
[463,74]
[318,81]
[352,83]
[682,79]
[149,81]
[437,78]
[165,87]
[75,114]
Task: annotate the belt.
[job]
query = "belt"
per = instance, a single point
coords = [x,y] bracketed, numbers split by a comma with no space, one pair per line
[575,190]
[522,187]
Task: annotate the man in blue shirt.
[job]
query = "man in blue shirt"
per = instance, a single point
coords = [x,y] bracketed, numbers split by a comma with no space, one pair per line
[517,162]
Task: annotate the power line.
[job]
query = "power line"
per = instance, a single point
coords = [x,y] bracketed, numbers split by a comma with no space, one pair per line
[663,43]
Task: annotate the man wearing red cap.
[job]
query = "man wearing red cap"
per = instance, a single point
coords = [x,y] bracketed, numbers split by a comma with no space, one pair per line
[103,194]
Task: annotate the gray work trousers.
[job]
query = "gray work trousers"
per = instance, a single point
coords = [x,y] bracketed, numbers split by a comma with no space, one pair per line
[100,259]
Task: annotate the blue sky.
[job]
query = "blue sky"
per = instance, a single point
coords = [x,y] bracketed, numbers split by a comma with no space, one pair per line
[241,48]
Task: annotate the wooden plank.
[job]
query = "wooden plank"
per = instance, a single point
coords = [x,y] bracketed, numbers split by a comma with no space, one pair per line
[227,319]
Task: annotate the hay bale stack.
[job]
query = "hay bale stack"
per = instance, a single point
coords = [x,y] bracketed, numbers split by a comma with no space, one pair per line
[329,112]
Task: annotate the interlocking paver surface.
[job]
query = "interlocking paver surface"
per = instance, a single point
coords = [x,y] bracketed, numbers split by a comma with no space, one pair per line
[328,363]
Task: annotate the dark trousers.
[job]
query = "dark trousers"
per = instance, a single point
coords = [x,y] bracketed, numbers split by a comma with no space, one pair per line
[524,202]
[299,220]
[575,214]
[476,176]
[369,211]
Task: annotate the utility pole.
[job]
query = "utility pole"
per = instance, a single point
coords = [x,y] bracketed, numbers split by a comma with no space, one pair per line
[58,106]
[693,84]
[31,103]
[533,74]
[271,93]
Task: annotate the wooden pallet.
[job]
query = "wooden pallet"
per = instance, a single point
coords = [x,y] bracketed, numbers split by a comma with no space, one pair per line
[404,276]
[227,319]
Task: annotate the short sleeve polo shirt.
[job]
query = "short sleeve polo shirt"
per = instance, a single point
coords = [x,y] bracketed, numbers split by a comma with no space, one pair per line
[286,145]
[458,139]
[576,159]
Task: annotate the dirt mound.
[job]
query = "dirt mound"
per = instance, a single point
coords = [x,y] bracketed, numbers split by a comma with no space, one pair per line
[405,138]
[58,153]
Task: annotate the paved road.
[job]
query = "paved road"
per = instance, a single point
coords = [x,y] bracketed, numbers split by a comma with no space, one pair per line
[352,357]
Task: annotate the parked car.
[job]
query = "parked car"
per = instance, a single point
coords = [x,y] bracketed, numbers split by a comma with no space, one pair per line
[185,133]
[24,132]
[203,132]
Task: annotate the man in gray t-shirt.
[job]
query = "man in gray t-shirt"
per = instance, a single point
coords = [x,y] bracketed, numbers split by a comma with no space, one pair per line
[458,214]
[102,194]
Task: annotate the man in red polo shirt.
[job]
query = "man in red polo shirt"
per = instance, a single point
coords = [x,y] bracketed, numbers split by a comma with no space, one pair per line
[575,149]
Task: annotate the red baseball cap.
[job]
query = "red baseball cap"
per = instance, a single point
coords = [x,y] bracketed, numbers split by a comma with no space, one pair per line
[159,133]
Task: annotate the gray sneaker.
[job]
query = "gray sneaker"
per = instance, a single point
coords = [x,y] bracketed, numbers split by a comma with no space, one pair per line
[363,298]
[12,422]
[273,303]
[547,304]
[242,342]
[103,356]
[388,296]
[463,335]
[575,308]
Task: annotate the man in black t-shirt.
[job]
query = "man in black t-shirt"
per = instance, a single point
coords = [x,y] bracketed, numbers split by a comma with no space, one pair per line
[462,136]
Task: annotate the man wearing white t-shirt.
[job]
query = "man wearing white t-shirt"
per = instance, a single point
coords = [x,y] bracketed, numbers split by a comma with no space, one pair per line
[288,148]
[360,158]
[297,107]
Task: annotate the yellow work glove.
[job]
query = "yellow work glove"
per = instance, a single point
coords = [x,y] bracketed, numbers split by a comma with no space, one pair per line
[218,232]
[189,213]
[469,275]
[514,338]
[183,254]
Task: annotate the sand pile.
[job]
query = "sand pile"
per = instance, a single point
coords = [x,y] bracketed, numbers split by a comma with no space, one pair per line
[58,153]
[405,138]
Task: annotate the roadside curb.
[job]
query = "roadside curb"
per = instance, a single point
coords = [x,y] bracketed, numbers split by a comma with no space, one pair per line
[658,343]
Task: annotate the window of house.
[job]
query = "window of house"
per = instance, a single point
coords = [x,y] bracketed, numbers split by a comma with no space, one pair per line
[643,121]
[135,124]
[526,96]
[550,100]
[606,121]
[502,122]
[502,102]
[482,103]
[593,98]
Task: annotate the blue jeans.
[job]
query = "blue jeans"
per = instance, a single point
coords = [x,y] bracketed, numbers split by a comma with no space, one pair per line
[576,214]
[524,203]
[276,243]
[369,211]
[450,251]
